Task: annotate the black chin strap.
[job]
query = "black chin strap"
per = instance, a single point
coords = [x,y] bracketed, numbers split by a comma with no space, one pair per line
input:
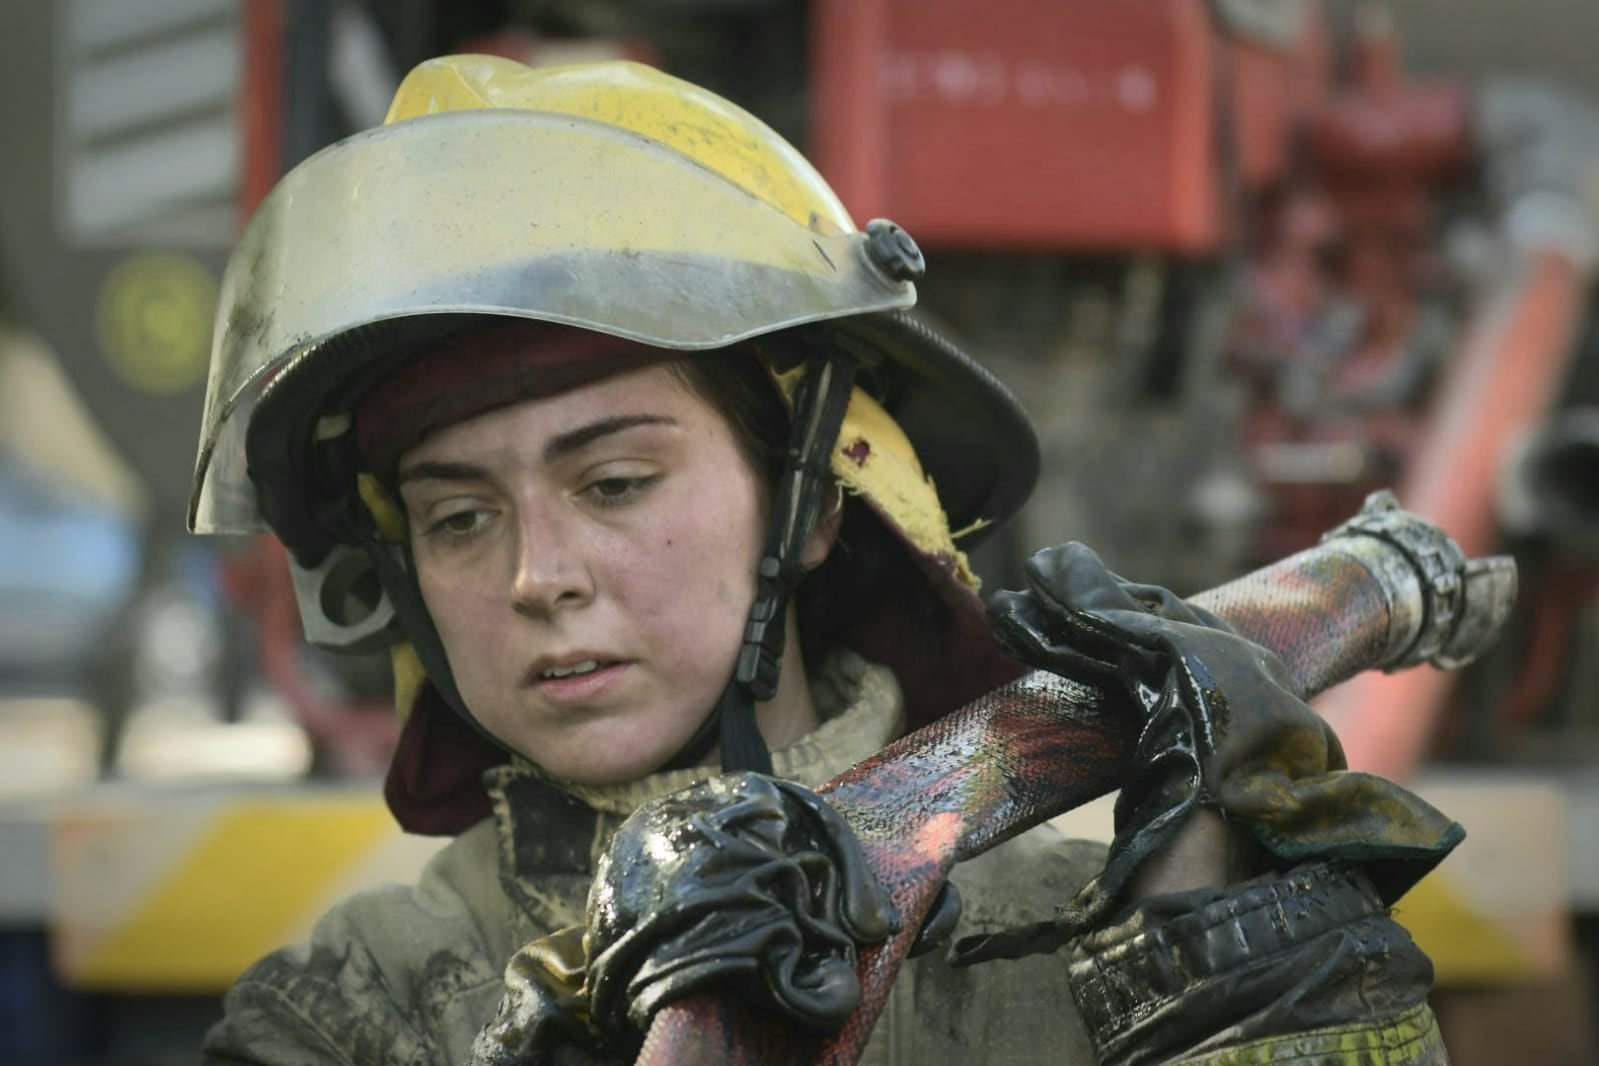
[398,574]
[819,406]
[734,726]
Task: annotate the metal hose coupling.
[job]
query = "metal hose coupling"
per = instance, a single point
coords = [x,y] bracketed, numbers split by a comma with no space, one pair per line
[1444,608]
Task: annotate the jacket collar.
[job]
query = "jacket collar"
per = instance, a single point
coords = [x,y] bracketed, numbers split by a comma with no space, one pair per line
[552,832]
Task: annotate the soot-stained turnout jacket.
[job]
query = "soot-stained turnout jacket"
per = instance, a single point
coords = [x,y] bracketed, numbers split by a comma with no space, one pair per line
[1305,968]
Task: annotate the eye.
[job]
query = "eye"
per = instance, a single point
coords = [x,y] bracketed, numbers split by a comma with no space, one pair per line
[615,491]
[460,524]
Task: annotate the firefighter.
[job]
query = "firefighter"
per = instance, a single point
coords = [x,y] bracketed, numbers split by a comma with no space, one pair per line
[580,389]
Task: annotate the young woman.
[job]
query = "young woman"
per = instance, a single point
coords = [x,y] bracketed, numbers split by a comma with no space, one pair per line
[656,477]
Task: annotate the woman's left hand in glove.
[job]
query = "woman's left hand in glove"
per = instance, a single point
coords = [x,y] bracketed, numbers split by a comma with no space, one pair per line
[1221,728]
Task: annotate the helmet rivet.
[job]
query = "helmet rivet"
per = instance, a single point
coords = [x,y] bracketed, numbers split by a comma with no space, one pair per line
[893,251]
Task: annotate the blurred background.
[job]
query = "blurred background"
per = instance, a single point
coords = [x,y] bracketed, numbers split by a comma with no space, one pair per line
[1243,261]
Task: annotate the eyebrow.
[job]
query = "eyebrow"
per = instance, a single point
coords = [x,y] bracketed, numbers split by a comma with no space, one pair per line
[575,440]
[431,470]
[558,447]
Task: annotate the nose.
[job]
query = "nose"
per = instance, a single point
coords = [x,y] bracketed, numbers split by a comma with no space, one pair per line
[552,572]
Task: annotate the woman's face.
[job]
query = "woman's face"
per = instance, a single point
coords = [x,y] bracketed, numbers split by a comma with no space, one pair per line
[589,560]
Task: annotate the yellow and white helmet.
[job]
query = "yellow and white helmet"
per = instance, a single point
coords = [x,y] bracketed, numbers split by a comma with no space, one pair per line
[616,199]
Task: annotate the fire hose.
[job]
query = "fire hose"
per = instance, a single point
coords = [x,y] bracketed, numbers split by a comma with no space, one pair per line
[1385,590]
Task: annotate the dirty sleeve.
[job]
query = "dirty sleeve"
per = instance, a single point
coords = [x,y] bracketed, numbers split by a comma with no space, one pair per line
[1304,967]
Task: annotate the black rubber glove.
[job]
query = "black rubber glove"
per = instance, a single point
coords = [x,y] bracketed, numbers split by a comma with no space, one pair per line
[741,883]
[1223,727]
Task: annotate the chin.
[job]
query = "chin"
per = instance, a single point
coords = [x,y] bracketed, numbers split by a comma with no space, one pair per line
[622,763]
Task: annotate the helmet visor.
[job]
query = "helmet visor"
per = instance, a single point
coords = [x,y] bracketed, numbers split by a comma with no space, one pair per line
[503,212]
